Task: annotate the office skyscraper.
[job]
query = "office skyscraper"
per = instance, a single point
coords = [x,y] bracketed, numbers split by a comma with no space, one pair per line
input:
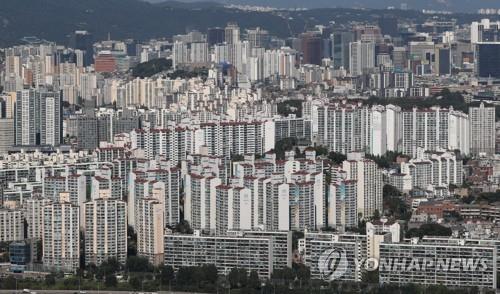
[362,57]
[442,61]
[484,31]
[488,60]
[258,38]
[311,45]
[232,33]
[83,40]
[340,49]
[215,36]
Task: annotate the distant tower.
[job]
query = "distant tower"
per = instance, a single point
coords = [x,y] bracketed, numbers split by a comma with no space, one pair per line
[232,33]
[83,40]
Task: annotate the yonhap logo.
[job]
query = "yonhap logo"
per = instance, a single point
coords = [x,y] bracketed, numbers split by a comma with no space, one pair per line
[332,264]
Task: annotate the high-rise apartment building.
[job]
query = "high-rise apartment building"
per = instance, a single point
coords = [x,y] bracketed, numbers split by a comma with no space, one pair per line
[233,210]
[38,117]
[61,235]
[200,201]
[434,128]
[33,213]
[6,124]
[482,129]
[11,225]
[440,272]
[255,253]
[369,183]
[352,248]
[150,229]
[344,128]
[105,231]
[342,206]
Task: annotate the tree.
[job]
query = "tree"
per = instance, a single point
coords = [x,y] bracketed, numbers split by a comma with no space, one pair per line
[183,227]
[185,275]
[165,274]
[152,67]
[288,107]
[91,270]
[198,275]
[283,145]
[429,230]
[288,274]
[50,280]
[108,267]
[210,273]
[303,273]
[9,283]
[336,157]
[110,281]
[237,157]
[131,242]
[394,204]
[237,277]
[138,264]
[321,150]
[370,276]
[135,282]
[253,280]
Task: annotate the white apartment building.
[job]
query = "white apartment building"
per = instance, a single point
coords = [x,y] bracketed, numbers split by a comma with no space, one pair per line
[351,247]
[369,183]
[482,130]
[105,231]
[233,209]
[231,138]
[473,265]
[344,127]
[11,225]
[342,207]
[61,236]
[431,170]
[150,228]
[253,253]
[33,213]
[434,128]
[200,202]
[173,144]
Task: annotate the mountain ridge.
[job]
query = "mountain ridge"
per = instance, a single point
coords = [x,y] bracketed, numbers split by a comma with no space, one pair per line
[451,5]
[55,20]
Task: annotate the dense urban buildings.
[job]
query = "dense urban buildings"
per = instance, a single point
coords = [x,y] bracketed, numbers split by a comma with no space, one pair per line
[237,149]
